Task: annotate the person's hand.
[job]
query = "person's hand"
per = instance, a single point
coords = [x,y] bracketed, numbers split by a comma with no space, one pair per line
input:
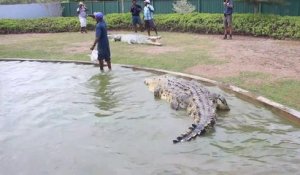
[92,48]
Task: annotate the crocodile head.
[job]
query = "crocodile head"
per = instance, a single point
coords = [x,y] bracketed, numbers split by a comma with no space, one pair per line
[154,82]
[117,38]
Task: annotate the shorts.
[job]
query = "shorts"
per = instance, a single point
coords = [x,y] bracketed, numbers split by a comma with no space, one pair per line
[227,21]
[106,59]
[82,22]
[103,50]
[104,56]
[136,20]
[149,24]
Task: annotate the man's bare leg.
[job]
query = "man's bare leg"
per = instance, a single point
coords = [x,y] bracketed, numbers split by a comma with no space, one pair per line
[109,65]
[135,28]
[230,32]
[154,28]
[101,65]
[225,33]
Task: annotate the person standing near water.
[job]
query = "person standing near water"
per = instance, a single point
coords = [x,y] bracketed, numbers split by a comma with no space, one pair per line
[135,13]
[102,41]
[81,11]
[228,10]
[148,17]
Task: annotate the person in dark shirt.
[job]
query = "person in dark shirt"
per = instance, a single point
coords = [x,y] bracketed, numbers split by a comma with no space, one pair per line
[102,41]
[135,12]
[228,10]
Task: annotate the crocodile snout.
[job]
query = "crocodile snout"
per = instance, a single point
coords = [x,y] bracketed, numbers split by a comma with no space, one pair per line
[146,83]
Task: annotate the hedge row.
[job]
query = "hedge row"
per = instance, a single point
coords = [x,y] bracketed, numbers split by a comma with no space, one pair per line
[246,24]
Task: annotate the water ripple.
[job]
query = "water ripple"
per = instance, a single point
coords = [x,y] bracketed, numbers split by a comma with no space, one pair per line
[88,122]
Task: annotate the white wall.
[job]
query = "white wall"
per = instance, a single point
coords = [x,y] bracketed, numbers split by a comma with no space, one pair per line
[28,11]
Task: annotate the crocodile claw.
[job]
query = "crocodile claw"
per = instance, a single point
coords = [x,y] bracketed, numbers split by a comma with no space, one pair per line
[175,141]
[179,138]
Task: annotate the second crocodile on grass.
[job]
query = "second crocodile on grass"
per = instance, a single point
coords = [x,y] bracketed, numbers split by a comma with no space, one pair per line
[136,39]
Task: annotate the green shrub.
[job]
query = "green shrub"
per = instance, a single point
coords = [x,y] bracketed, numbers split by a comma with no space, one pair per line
[246,24]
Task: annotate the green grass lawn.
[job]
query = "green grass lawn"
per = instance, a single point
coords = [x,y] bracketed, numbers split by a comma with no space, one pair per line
[177,54]
[286,91]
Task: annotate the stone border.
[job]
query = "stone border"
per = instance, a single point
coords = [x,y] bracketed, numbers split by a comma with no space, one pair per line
[279,109]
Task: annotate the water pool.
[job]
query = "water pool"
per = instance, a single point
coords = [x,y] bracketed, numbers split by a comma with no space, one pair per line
[69,119]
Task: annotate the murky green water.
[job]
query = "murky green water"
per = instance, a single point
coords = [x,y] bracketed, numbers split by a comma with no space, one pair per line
[70,119]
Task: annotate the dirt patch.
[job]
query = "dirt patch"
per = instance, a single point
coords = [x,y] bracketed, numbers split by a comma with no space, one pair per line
[280,59]
[78,48]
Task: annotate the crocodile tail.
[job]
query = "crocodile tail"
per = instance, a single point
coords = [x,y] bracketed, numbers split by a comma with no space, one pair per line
[194,131]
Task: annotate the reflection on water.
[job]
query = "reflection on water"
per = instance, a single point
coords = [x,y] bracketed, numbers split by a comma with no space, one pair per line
[48,126]
[104,97]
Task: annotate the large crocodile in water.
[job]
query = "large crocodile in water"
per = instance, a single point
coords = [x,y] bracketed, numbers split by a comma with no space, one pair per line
[136,39]
[198,101]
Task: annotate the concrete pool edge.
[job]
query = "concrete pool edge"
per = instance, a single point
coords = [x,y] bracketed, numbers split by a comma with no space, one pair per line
[280,109]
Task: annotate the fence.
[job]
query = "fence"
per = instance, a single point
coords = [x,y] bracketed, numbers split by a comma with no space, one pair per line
[291,8]
[29,11]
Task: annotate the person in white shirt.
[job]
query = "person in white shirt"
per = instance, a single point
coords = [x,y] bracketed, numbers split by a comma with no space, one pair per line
[148,17]
[81,11]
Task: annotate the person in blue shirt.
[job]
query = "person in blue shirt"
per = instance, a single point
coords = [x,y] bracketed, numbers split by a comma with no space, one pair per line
[228,10]
[102,41]
[148,17]
[135,13]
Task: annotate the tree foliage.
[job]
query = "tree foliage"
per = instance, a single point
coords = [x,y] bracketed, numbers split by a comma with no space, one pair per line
[183,7]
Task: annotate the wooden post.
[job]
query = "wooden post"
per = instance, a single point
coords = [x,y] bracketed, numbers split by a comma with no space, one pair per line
[104,10]
[118,6]
[69,10]
[298,8]
[122,4]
